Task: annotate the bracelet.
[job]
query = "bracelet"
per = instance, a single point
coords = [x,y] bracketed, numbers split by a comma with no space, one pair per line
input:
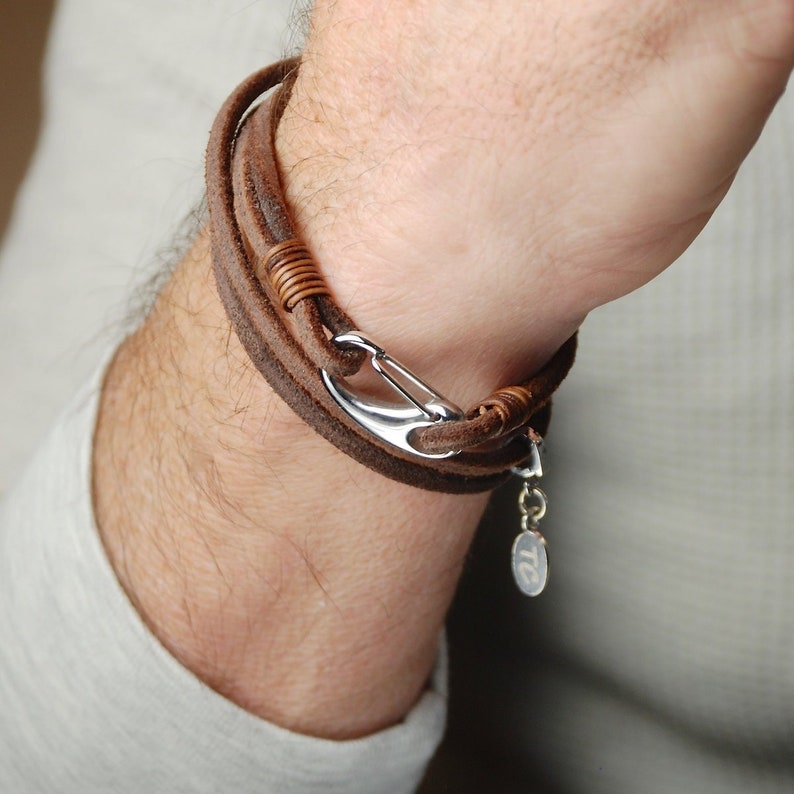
[264,272]
[265,275]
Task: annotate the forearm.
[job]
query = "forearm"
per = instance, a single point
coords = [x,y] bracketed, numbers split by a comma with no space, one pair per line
[288,577]
[301,585]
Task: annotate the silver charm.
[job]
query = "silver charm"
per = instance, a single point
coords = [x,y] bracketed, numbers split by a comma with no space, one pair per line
[530,563]
[530,560]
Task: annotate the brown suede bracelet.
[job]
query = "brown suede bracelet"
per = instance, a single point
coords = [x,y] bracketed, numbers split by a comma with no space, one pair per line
[265,273]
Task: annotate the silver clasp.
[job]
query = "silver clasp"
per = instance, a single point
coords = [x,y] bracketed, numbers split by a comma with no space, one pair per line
[393,423]
[532,467]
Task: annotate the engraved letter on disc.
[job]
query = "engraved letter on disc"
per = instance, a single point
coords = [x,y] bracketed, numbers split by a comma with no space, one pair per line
[530,563]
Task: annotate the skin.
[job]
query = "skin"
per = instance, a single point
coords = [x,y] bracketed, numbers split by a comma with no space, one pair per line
[474,178]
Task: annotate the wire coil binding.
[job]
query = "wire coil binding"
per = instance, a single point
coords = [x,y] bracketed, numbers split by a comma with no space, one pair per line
[293,273]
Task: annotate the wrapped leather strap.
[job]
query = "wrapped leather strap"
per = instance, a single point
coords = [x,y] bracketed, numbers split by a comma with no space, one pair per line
[264,272]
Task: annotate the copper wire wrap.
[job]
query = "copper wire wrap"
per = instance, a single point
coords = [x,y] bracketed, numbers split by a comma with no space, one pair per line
[293,273]
[513,405]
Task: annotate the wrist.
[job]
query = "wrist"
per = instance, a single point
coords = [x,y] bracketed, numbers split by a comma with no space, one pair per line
[423,257]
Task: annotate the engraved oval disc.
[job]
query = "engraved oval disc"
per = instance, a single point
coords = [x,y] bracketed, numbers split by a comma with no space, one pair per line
[530,563]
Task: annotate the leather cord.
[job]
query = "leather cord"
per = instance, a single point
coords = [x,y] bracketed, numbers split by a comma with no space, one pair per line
[284,314]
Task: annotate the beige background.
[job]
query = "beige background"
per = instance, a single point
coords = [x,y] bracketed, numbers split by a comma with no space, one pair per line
[23,31]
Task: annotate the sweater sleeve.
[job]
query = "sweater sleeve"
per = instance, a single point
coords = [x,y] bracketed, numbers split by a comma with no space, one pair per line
[91,702]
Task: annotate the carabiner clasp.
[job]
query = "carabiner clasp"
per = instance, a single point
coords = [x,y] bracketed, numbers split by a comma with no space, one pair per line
[532,467]
[393,423]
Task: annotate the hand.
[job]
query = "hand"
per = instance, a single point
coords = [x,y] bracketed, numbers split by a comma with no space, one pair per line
[500,169]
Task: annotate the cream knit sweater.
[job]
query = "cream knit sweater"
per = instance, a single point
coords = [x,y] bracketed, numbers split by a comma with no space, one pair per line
[662,657]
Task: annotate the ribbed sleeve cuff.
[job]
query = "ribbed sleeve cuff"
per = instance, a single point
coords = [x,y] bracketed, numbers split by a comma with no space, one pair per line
[91,700]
